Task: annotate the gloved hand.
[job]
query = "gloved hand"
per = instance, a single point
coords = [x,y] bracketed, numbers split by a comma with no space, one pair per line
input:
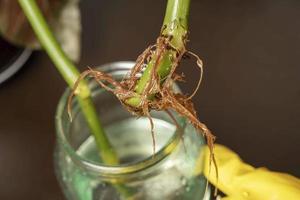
[240,181]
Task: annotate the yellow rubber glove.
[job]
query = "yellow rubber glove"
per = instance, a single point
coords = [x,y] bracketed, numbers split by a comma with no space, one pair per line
[241,181]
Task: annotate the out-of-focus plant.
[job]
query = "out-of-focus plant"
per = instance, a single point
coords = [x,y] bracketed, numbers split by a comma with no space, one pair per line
[63,16]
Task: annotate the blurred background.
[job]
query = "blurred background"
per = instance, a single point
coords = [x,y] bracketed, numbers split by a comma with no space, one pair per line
[250,96]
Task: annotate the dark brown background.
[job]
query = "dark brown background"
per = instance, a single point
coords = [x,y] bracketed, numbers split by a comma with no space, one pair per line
[250,97]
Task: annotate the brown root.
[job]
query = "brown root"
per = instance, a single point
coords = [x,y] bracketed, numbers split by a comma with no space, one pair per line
[158,93]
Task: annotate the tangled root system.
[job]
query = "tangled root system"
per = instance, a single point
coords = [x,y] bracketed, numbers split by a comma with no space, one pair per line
[158,94]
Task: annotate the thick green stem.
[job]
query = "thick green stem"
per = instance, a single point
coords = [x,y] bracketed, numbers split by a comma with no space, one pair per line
[175,25]
[70,75]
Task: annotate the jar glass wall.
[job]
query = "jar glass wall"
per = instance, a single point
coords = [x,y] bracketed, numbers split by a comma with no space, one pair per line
[171,173]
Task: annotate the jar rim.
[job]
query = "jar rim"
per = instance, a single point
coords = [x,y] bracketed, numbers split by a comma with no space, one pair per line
[103,169]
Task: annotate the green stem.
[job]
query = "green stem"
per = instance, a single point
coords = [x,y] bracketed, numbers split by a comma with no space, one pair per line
[175,25]
[70,75]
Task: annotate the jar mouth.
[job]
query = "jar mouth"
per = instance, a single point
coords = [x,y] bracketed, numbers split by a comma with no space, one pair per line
[103,169]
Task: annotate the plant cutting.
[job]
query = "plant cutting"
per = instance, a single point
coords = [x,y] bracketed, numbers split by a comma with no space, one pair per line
[158,64]
[149,86]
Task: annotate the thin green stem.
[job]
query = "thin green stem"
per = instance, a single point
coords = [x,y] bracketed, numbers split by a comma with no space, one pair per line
[175,25]
[70,74]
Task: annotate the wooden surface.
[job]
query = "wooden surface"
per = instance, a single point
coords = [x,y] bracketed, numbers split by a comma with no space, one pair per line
[250,97]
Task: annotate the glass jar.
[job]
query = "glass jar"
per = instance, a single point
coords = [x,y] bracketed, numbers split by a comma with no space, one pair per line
[171,173]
